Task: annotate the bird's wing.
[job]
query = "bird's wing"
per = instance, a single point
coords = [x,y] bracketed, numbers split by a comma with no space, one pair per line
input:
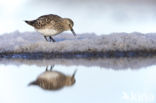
[44,20]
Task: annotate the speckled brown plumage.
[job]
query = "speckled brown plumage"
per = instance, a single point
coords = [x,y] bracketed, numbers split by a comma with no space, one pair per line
[53,80]
[50,25]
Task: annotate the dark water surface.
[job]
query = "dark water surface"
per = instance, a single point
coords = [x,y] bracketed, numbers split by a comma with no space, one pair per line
[111,80]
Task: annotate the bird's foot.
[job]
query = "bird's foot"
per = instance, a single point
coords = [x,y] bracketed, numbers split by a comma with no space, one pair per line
[51,39]
[45,38]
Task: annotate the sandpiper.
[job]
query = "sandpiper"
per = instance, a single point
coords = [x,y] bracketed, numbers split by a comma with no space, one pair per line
[53,80]
[50,25]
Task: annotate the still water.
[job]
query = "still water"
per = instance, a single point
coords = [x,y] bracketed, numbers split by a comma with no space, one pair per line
[111,80]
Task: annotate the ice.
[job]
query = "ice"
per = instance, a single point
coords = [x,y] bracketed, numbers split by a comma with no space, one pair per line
[31,42]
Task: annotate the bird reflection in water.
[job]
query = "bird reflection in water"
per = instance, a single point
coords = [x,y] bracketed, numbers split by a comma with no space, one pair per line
[53,80]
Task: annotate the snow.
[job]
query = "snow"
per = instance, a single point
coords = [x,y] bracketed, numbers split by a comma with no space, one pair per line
[31,42]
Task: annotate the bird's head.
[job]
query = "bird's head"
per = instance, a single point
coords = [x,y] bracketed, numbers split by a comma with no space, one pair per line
[69,25]
[70,80]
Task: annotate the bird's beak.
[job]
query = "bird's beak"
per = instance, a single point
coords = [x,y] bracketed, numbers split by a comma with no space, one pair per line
[74,74]
[72,30]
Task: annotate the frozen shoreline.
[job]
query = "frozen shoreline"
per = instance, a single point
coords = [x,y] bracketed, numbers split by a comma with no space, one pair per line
[70,55]
[84,45]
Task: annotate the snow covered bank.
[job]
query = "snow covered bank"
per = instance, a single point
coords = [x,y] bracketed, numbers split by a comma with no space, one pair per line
[32,42]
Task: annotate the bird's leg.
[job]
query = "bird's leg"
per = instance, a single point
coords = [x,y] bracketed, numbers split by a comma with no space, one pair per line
[51,39]
[47,68]
[51,68]
[46,38]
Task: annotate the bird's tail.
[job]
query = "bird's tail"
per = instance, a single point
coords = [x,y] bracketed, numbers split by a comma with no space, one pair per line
[30,22]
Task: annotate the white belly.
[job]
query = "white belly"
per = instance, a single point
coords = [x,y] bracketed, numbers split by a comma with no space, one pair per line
[49,75]
[47,32]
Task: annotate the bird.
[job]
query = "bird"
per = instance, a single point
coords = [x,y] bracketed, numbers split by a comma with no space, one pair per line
[53,80]
[51,25]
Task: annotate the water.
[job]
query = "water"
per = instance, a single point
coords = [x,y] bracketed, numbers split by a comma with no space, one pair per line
[109,80]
